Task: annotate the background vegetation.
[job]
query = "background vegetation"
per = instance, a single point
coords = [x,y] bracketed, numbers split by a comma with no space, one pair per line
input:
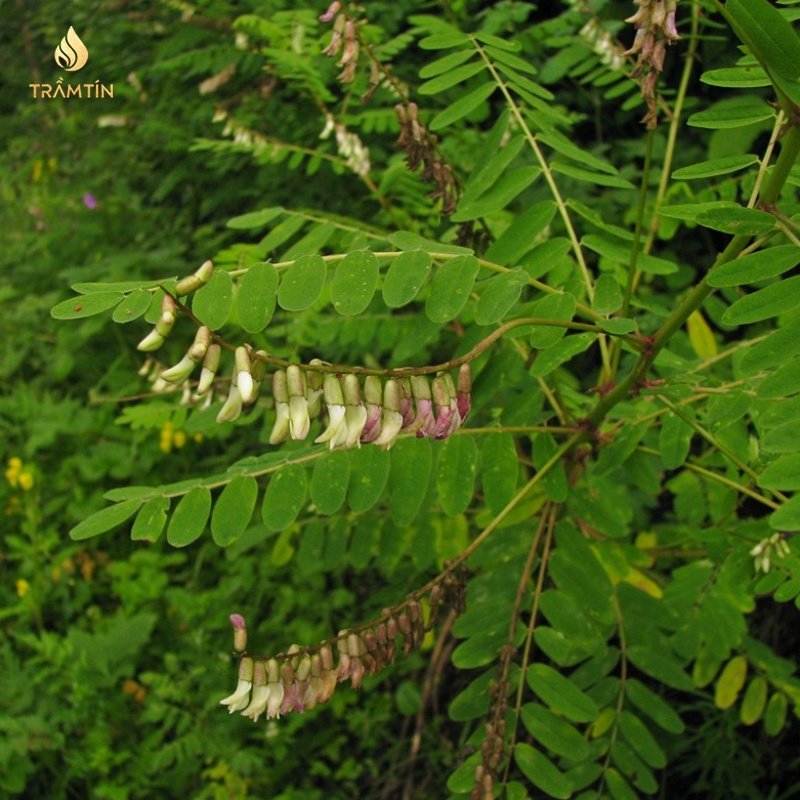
[622,619]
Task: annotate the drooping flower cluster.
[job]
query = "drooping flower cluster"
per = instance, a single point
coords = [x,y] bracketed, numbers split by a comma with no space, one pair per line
[375,412]
[654,21]
[343,39]
[767,549]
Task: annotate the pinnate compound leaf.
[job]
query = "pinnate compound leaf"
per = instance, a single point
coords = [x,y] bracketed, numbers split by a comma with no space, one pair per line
[284,497]
[354,282]
[85,306]
[213,303]
[233,510]
[255,301]
[456,467]
[104,520]
[190,517]
[405,277]
[450,288]
[302,283]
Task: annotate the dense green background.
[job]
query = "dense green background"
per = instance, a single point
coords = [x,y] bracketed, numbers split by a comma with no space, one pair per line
[115,653]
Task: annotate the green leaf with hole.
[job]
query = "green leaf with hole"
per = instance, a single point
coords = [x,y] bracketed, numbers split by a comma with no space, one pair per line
[755,267]
[86,305]
[150,520]
[302,283]
[213,303]
[764,303]
[541,771]
[715,167]
[450,288]
[561,694]
[284,497]
[329,480]
[190,517]
[258,289]
[104,520]
[455,473]
[233,510]
[354,282]
[405,277]
[133,306]
[369,471]
[466,104]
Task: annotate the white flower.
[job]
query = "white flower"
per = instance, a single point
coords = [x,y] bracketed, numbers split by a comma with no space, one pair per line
[275,700]
[280,430]
[240,698]
[258,705]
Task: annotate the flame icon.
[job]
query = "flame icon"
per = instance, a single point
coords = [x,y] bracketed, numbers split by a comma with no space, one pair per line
[71,53]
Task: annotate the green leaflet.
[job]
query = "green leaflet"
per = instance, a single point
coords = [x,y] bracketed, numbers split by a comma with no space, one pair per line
[499,196]
[256,298]
[369,471]
[284,497]
[559,307]
[405,277]
[212,304]
[329,481]
[522,235]
[354,282]
[775,714]
[233,510]
[754,701]
[302,283]
[499,296]
[783,381]
[732,113]
[607,295]
[596,178]
[755,267]
[715,167]
[409,475]
[456,467]
[255,219]
[560,694]
[189,518]
[783,473]
[151,519]
[451,77]
[620,254]
[561,352]
[133,306]
[674,441]
[86,306]
[737,221]
[104,520]
[736,77]
[445,64]
[654,706]
[641,740]
[730,682]
[541,772]
[450,288]
[466,104]
[498,470]
[764,303]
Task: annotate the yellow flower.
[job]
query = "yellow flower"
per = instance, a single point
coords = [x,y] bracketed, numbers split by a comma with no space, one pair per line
[22,587]
[26,481]
[15,463]
[198,437]
[179,439]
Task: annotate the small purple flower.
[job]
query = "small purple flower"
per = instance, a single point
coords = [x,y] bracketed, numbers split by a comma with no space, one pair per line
[332,11]
[90,201]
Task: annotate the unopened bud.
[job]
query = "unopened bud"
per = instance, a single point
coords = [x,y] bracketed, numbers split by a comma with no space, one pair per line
[246,666]
[244,378]
[193,282]
[464,391]
[239,632]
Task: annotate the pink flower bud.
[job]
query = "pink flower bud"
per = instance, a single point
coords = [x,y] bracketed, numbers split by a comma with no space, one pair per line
[332,11]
